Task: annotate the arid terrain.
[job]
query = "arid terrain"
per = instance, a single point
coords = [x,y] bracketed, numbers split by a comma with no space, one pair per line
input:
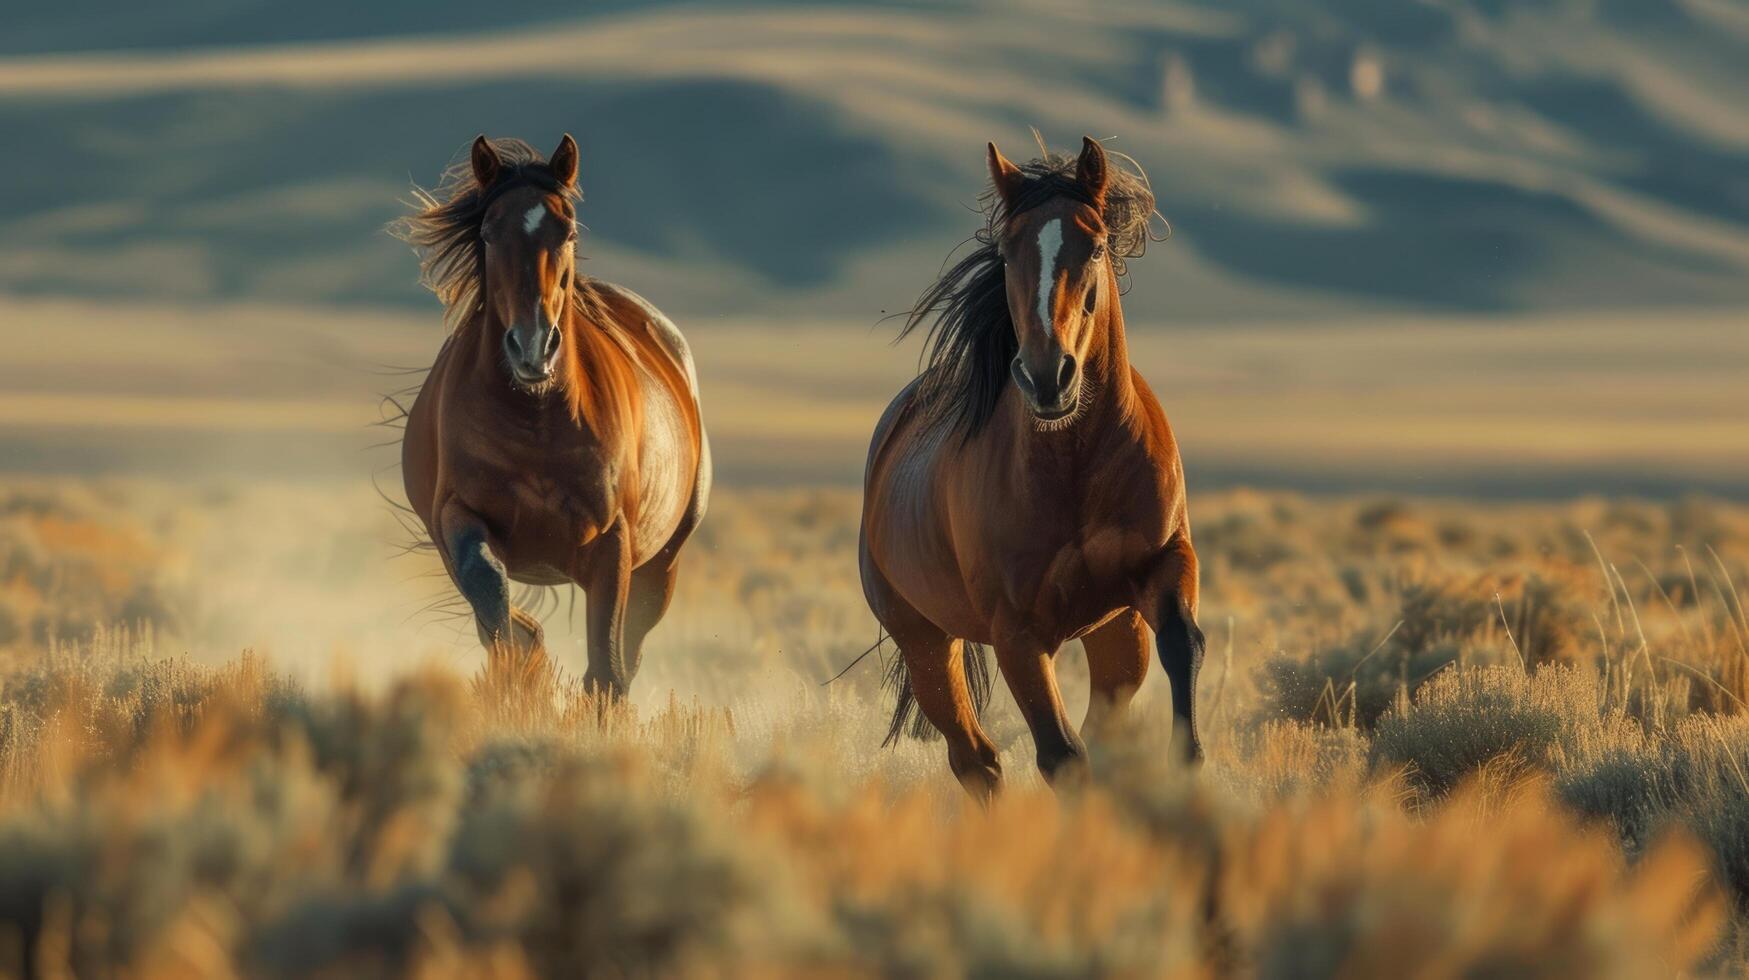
[238,734]
[1445,301]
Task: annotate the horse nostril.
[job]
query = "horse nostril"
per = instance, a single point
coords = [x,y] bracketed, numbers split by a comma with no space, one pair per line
[1065,373]
[552,345]
[512,345]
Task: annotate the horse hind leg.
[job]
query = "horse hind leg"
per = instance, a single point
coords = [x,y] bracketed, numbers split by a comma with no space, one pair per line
[651,588]
[651,591]
[528,640]
[606,580]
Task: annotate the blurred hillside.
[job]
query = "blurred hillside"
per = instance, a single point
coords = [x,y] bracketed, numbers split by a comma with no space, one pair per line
[1314,158]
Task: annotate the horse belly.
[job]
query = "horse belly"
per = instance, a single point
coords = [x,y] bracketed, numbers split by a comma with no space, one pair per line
[667,467]
[537,573]
[923,570]
[908,540]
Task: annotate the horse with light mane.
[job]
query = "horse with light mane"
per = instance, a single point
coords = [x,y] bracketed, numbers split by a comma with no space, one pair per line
[558,436]
[1025,489]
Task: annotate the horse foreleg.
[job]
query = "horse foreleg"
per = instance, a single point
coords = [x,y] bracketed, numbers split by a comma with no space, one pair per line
[1172,613]
[606,578]
[938,681]
[480,577]
[1032,678]
[935,672]
[1117,663]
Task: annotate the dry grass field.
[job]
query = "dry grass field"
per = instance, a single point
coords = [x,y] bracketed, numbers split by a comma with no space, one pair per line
[1457,287]
[239,737]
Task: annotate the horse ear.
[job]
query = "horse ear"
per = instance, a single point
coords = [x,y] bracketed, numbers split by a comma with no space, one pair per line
[1004,175]
[563,162]
[1091,169]
[487,163]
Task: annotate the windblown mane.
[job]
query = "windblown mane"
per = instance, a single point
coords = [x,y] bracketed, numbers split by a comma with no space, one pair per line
[970,341]
[444,229]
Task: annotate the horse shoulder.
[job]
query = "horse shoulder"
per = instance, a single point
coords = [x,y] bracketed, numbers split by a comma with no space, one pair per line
[1154,464]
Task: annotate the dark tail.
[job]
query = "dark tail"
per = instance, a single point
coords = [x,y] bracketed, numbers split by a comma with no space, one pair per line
[905,713]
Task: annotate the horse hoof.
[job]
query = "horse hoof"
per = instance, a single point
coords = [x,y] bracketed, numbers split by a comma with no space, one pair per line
[606,688]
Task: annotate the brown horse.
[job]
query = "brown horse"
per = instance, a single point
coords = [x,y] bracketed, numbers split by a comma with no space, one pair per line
[1025,489]
[557,438]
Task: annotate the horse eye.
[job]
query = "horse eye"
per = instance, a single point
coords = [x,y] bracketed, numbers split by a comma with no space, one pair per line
[1092,298]
[1098,252]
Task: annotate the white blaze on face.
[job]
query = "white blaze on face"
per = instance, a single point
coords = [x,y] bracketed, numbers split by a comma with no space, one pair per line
[1050,242]
[533,218]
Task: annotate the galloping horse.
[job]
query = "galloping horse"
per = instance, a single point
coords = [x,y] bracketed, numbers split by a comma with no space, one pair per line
[1025,489]
[557,438]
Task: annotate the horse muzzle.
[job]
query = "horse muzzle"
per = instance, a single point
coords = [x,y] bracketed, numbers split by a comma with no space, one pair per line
[1051,394]
[532,354]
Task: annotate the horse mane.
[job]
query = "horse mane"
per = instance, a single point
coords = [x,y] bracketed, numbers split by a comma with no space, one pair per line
[444,230]
[970,336]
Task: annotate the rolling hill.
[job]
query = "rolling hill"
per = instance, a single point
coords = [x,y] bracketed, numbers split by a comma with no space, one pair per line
[818,161]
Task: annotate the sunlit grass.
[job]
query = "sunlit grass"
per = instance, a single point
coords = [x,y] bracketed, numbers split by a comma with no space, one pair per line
[1444,738]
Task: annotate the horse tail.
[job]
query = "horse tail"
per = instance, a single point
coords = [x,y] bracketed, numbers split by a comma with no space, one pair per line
[905,713]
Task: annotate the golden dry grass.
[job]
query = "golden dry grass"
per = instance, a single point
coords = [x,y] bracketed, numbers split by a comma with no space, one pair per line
[1446,739]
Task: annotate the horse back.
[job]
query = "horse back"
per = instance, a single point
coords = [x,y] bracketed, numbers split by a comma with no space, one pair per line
[904,459]
[637,314]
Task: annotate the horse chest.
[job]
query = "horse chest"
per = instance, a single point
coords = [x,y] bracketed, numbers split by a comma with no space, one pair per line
[535,481]
[1065,584]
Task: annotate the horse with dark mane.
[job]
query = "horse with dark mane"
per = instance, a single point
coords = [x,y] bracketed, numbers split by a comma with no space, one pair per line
[557,438]
[1025,489]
